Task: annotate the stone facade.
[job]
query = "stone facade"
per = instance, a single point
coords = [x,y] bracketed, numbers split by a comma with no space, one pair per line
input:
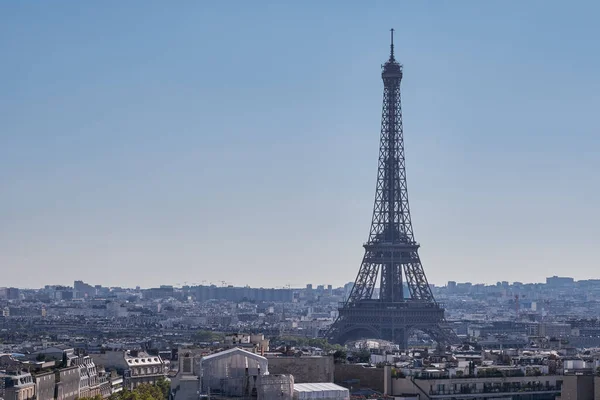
[359,376]
[89,386]
[580,387]
[516,387]
[304,369]
[45,385]
[186,384]
[18,385]
[67,383]
[137,367]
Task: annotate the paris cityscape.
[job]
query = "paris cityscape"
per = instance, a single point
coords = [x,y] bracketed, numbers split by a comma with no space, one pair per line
[377,329]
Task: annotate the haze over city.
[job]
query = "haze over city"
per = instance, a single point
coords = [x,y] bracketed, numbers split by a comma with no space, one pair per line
[150,143]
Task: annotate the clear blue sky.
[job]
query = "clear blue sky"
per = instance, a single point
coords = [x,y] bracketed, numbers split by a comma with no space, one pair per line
[148,142]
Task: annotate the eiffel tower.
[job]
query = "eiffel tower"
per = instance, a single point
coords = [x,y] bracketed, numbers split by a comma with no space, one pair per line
[391,250]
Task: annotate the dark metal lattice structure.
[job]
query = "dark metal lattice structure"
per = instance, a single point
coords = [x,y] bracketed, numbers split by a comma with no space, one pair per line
[391,251]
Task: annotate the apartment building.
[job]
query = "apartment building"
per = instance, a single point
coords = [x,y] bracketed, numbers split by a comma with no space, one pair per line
[136,367]
[18,385]
[89,385]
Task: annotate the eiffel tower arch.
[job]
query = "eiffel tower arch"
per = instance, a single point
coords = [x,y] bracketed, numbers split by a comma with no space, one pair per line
[391,252]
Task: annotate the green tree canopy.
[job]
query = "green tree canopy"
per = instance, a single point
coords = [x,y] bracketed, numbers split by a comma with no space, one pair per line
[158,391]
[208,336]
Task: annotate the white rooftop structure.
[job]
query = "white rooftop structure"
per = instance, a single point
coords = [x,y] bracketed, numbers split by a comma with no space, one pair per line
[323,391]
[232,372]
[148,360]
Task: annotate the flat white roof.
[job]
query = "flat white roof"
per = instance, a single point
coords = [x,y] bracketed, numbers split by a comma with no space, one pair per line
[318,387]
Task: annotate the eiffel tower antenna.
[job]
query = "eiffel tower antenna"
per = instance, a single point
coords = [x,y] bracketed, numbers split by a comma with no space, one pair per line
[392,45]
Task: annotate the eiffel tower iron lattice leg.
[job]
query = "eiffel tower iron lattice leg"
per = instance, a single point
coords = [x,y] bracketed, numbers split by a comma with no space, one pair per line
[391,251]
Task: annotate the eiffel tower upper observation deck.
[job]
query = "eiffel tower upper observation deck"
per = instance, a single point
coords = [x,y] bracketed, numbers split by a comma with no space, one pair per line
[391,251]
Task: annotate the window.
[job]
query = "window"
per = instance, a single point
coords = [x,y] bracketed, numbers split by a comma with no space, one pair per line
[187,365]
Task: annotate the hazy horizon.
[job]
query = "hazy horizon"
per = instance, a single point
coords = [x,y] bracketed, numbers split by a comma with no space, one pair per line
[179,285]
[148,143]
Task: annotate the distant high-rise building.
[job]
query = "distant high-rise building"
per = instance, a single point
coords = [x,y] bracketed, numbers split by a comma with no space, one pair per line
[13,293]
[83,290]
[231,293]
[558,281]
[162,292]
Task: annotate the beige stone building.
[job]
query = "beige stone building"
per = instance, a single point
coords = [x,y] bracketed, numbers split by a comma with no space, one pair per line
[136,367]
[18,385]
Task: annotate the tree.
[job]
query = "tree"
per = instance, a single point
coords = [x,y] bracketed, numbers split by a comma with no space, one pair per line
[96,397]
[208,336]
[165,386]
[158,391]
[340,356]
[363,356]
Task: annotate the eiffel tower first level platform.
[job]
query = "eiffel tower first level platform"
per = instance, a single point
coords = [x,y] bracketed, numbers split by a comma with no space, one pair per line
[391,252]
[392,321]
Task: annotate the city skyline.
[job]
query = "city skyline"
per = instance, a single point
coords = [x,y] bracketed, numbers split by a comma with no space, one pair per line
[243,148]
[292,286]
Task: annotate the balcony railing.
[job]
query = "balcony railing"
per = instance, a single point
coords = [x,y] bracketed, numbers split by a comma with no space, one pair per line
[541,389]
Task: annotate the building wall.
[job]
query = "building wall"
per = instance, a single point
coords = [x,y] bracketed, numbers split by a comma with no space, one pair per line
[187,388]
[453,385]
[116,383]
[373,378]
[146,373]
[88,376]
[20,393]
[578,387]
[44,386]
[186,383]
[104,388]
[67,383]
[136,370]
[204,293]
[272,386]
[554,330]
[232,372]
[135,381]
[19,386]
[304,369]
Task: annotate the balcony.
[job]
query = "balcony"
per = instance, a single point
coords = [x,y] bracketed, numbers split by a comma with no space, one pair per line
[492,390]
